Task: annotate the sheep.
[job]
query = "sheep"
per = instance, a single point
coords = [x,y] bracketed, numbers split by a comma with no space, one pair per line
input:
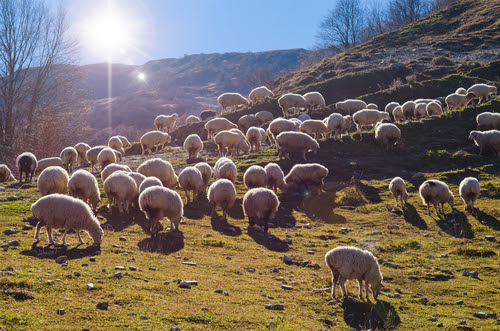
[158,202]
[192,119]
[225,168]
[398,190]
[389,108]
[255,176]
[290,100]
[106,156]
[227,141]
[116,143]
[243,146]
[368,118]
[47,162]
[263,135]
[350,106]
[191,179]
[372,106]
[6,174]
[420,111]
[275,177]
[125,142]
[149,182]
[433,108]
[254,138]
[469,192]
[154,139]
[121,190]
[110,168]
[264,116]
[26,163]
[92,154]
[221,194]
[138,178]
[81,149]
[193,145]
[426,101]
[280,125]
[336,124]
[348,262]
[398,114]
[247,121]
[347,124]
[461,90]
[53,180]
[165,122]
[488,121]
[206,173]
[315,99]
[303,117]
[314,127]
[408,109]
[232,100]
[58,211]
[441,101]
[259,94]
[260,205]
[296,142]
[83,185]
[387,134]
[490,138]
[435,192]
[482,91]
[303,176]
[270,136]
[69,157]
[454,101]
[160,169]
[207,114]
[217,125]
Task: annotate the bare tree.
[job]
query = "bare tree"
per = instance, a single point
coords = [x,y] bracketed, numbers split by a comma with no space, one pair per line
[262,76]
[403,12]
[342,25]
[438,5]
[375,20]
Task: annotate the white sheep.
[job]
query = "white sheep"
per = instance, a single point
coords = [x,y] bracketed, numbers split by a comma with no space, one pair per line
[485,139]
[387,134]
[48,162]
[290,100]
[228,141]
[264,116]
[469,190]
[263,135]
[255,176]
[426,101]
[125,141]
[158,202]
[280,125]
[110,168]
[372,106]
[254,138]
[191,179]
[303,117]
[315,99]
[206,173]
[53,179]
[6,174]
[156,139]
[193,145]
[454,101]
[350,106]
[336,124]
[317,128]
[121,190]
[435,192]
[260,205]
[221,194]
[81,149]
[160,169]
[270,136]
[488,121]
[149,182]
[348,262]
[433,108]
[116,143]
[368,118]
[258,94]
[242,145]
[398,190]
[398,114]
[275,177]
[26,163]
[461,90]
[58,211]
[482,91]
[138,178]
[347,124]
[91,155]
[225,168]
[389,108]
[69,157]
[216,125]
[420,111]
[246,121]
[83,185]
[304,176]
[408,109]
[106,156]
[232,100]
[165,122]
[192,119]
[288,142]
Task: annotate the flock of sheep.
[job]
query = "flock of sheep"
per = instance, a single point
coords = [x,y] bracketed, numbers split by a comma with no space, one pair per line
[151,188]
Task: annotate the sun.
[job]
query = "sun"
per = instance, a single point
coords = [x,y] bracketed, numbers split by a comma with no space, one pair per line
[141,76]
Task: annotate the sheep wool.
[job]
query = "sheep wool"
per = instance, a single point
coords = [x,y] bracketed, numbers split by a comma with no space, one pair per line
[206,173]
[350,106]
[260,205]
[160,169]
[69,157]
[469,190]
[105,157]
[116,143]
[398,190]
[190,179]
[366,118]
[5,174]
[290,100]
[254,138]
[259,94]
[165,122]
[275,177]
[387,134]
[482,91]
[389,108]
[255,176]
[154,139]
[26,164]
[488,121]
[307,178]
[83,185]
[336,124]
[225,168]
[193,145]
[53,180]
[247,121]
[222,193]
[158,202]
[315,99]
[296,142]
[92,154]
[47,162]
[192,119]
[434,108]
[486,139]
[81,149]
[231,100]
[121,190]
[437,193]
[316,128]
[264,116]
[111,168]
[217,125]
[149,182]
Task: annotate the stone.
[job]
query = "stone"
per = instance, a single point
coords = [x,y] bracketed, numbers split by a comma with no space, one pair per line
[92,259]
[5,247]
[119,268]
[85,264]
[118,275]
[122,238]
[462,323]
[271,325]
[116,246]
[218,291]
[308,225]
[27,227]
[465,273]
[152,268]
[310,252]
[102,305]
[61,259]
[90,286]
[10,231]
[250,269]
[174,328]
[480,315]
[474,274]
[143,317]
[189,263]
[287,287]
[13,243]
[424,300]
[287,241]
[275,307]
[489,237]
[76,274]
[492,315]
[61,311]
[460,302]
[287,259]
[394,296]
[433,319]
[447,271]
[326,321]
[397,289]
[50,282]
[184,285]
[166,282]
[439,325]
[132,268]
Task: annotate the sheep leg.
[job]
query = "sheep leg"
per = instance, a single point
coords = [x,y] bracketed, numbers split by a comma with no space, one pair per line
[224,214]
[397,203]
[335,278]
[38,227]
[360,288]
[266,226]
[436,208]
[64,237]
[187,195]
[428,209]
[49,234]
[304,155]
[214,213]
[80,240]
[342,281]
[366,291]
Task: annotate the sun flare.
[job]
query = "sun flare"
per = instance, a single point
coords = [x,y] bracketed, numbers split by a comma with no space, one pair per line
[109,33]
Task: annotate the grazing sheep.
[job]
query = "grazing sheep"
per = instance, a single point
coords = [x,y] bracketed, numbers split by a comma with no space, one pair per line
[314,127]
[264,116]
[280,125]
[368,118]
[192,119]
[260,205]
[247,121]
[138,178]
[469,192]
[5,174]
[296,142]
[461,90]
[58,211]
[270,136]
[222,194]
[165,122]
[110,168]
[191,179]
[255,176]
[347,124]
[154,139]
[26,163]
[217,125]
[259,94]
[92,154]
[160,169]
[125,142]
[347,262]
[53,180]
[254,138]
[482,91]
[454,101]
[389,108]
[372,106]
[105,157]
[83,185]
[303,117]
[488,121]
[435,192]
[408,109]
[149,182]
[158,202]
[433,108]
[232,100]
[315,99]
[225,168]
[490,138]
[336,124]
[48,162]
[207,114]
[398,190]
[275,177]
[302,176]
[121,190]
[290,100]
[420,111]
[263,135]
[398,114]
[193,145]
[228,141]
[116,143]
[206,173]
[350,106]
[426,101]
[387,134]
[81,149]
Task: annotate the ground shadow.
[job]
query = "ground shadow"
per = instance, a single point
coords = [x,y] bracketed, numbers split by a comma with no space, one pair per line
[236,211]
[411,216]
[196,210]
[119,222]
[486,219]
[267,240]
[321,208]
[456,224]
[52,252]
[163,242]
[221,225]
[363,315]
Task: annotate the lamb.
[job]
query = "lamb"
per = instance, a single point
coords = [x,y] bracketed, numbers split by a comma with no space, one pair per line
[488,121]
[228,141]
[193,145]
[92,154]
[387,134]
[158,202]
[160,169]
[347,124]
[435,192]
[5,174]
[165,122]
[482,91]
[275,177]
[26,163]
[290,100]
[420,111]
[259,94]
[217,125]
[314,127]
[191,179]
[149,182]
[433,108]
[368,118]
[106,156]
[156,139]
[58,211]
[81,149]
[350,106]
[222,194]
[83,185]
[192,119]
[260,205]
[336,124]
[206,173]
[389,108]
[461,90]
[302,176]
[254,138]
[47,162]
[398,114]
[454,101]
[125,142]
[280,125]
[53,180]
[398,190]
[264,116]
[225,168]
[348,262]
[315,99]
[247,121]
[116,143]
[372,106]
[121,190]
[111,168]
[296,142]
[408,109]
[303,117]
[232,100]
[469,192]
[490,138]
[255,176]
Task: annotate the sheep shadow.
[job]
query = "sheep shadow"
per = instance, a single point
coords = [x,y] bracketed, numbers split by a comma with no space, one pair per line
[52,252]
[194,161]
[412,217]
[267,240]
[363,315]
[456,224]
[321,208]
[196,210]
[221,225]
[163,242]
[486,219]
[236,211]
[119,222]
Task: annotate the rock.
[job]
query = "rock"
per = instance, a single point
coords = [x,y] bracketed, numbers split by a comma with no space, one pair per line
[226,293]
[275,307]
[10,231]
[61,311]
[308,225]
[166,282]
[152,268]
[271,325]
[424,300]
[61,259]
[13,243]
[228,258]
[218,291]
[76,274]
[103,305]
[90,286]
[287,287]
[460,302]
[443,255]
[439,325]
[50,282]
[433,319]
[116,246]
[118,275]
[418,176]
[184,285]
[119,268]
[447,271]
[249,269]
[392,265]
[465,273]
[480,315]
[489,237]
[132,268]
[5,247]
[310,252]
[394,296]
[492,315]
[143,317]
[85,264]
[287,259]
[174,328]
[92,259]
[397,289]
[326,321]
[287,241]
[122,238]
[430,257]
[347,207]
[189,263]
[474,274]
[462,323]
